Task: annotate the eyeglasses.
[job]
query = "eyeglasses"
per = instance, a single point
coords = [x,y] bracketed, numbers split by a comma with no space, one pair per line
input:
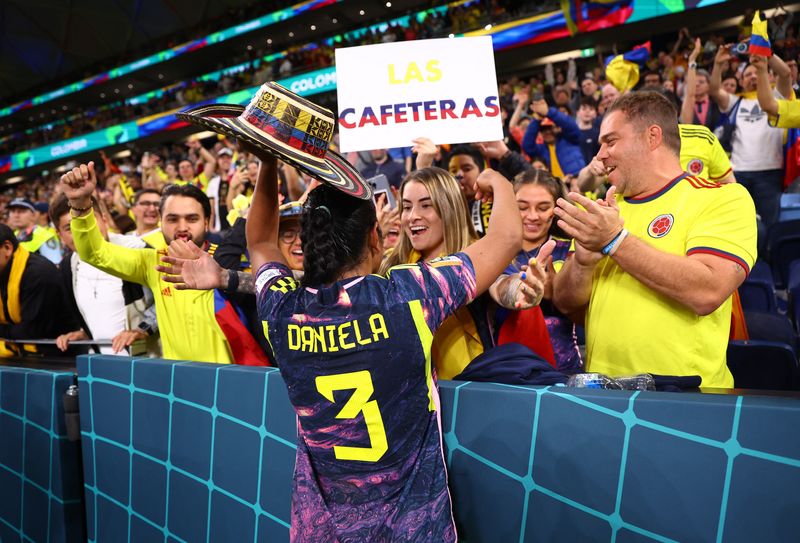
[288,236]
[145,203]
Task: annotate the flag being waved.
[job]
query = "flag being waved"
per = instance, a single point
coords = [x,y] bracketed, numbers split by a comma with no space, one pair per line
[759,39]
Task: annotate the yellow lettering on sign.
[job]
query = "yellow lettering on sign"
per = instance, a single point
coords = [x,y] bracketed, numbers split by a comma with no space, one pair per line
[413,73]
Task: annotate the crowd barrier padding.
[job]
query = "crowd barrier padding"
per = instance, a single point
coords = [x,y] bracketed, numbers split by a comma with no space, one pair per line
[179,451]
[40,469]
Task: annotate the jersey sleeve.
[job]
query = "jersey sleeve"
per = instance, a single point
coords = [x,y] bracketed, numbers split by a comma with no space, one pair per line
[273,281]
[726,227]
[788,114]
[442,285]
[719,165]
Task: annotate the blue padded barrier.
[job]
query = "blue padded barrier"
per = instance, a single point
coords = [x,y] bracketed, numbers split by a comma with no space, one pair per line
[40,481]
[200,452]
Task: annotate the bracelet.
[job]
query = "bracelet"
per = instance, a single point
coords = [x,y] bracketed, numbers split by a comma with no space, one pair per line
[233,282]
[614,244]
[692,65]
[80,210]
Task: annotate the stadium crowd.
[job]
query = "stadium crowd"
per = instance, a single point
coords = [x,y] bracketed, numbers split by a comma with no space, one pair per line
[715,107]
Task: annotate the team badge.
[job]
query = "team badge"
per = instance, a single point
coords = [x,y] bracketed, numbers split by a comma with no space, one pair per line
[695,166]
[661,225]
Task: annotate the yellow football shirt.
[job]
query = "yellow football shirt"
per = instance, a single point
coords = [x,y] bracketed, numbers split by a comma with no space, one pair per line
[702,154]
[632,329]
[788,114]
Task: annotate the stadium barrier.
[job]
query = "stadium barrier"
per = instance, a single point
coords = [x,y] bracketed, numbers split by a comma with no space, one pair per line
[203,452]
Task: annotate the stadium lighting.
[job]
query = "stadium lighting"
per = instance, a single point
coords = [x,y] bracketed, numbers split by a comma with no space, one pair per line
[361,12]
[161,76]
[269,41]
[130,85]
[451,36]
[313,27]
[488,27]
[388,4]
[291,34]
[334,20]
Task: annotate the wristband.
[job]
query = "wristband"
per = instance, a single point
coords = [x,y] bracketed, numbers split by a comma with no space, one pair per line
[692,65]
[79,210]
[233,282]
[614,244]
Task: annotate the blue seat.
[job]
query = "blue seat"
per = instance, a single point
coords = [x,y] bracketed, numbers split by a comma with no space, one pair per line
[783,246]
[764,365]
[757,293]
[794,294]
[790,206]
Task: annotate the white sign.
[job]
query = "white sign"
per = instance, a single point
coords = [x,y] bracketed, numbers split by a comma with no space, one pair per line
[391,93]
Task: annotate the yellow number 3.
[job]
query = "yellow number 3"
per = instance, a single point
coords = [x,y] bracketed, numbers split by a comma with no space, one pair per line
[359,402]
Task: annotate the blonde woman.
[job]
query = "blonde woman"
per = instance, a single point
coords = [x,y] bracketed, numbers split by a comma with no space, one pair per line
[434,223]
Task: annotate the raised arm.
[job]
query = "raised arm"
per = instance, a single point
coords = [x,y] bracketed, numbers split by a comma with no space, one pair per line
[263,217]
[766,99]
[491,254]
[783,75]
[687,108]
[715,89]
[123,262]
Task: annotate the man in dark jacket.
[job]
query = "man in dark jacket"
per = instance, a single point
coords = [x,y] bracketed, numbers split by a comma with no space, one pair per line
[33,305]
[561,140]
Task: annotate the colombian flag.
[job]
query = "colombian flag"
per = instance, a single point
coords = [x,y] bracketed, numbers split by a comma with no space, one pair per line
[623,70]
[759,39]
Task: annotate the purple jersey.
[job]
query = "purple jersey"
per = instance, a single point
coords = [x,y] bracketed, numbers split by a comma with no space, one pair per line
[355,357]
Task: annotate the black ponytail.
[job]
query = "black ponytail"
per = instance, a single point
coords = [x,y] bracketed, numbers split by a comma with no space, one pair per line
[334,232]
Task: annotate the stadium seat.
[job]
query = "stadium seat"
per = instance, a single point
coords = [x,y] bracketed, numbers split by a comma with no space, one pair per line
[794,294]
[783,246]
[765,365]
[758,290]
[774,327]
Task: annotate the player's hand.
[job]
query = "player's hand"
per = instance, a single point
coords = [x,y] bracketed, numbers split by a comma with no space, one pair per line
[199,272]
[78,185]
[595,225]
[484,185]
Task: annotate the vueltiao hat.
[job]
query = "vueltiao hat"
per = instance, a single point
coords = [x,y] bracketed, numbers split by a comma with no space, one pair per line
[290,127]
[290,209]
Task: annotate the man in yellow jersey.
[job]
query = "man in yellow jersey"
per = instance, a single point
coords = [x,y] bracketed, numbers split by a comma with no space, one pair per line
[186,318]
[657,261]
[701,155]
[22,215]
[186,170]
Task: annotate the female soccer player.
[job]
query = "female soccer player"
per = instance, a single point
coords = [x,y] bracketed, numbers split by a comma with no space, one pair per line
[354,350]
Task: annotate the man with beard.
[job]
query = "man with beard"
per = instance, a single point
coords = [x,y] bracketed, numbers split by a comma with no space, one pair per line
[187,319]
[655,265]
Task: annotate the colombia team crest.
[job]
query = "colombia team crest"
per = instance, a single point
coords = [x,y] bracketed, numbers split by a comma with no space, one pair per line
[661,225]
[695,166]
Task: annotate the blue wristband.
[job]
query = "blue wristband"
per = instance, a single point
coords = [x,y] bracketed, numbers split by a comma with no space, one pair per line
[611,244]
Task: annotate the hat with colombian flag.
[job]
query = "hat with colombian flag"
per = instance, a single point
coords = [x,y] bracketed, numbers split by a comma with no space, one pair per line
[289,127]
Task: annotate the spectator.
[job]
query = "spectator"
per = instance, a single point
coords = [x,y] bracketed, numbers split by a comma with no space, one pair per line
[189,328]
[34,304]
[561,140]
[186,168]
[698,108]
[384,165]
[757,148]
[146,215]
[589,125]
[109,307]
[683,250]
[34,238]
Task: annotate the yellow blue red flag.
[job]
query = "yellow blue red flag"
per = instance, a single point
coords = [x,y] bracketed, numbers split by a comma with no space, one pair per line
[759,39]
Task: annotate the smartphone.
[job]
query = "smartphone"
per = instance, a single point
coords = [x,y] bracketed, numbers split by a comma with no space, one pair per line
[380,185]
